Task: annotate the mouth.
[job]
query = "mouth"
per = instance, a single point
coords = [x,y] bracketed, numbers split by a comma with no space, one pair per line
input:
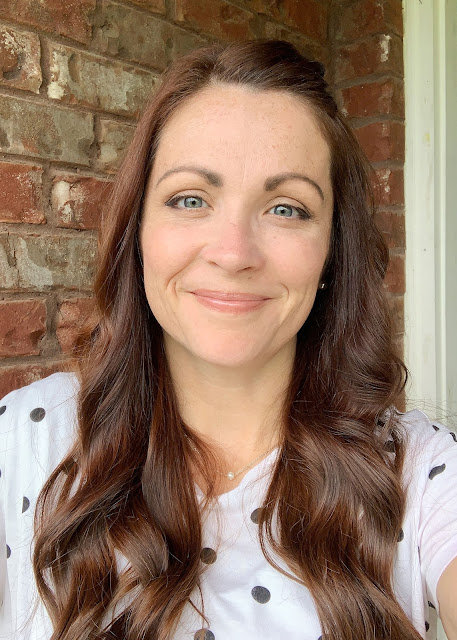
[229,296]
[231,302]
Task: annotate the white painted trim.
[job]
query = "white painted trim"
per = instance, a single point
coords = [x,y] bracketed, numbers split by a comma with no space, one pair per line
[425,203]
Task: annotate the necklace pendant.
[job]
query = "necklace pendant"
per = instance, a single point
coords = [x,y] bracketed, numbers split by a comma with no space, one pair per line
[230,475]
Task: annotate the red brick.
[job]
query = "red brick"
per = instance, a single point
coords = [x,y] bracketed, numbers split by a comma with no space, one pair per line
[394,281]
[20,193]
[45,131]
[306,47]
[385,97]
[382,140]
[377,54]
[84,79]
[41,263]
[215,17]
[392,225]
[18,376]
[71,18]
[77,200]
[23,324]
[388,186]
[158,6]
[309,17]
[20,59]
[72,317]
[368,17]
[113,140]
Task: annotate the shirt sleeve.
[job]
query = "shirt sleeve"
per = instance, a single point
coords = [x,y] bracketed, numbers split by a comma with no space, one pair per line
[438,513]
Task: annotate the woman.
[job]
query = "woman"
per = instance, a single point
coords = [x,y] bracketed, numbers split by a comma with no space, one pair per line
[238,468]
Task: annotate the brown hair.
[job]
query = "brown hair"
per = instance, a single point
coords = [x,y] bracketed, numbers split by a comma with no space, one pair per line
[335,490]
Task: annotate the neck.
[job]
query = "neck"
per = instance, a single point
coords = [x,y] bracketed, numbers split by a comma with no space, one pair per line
[236,409]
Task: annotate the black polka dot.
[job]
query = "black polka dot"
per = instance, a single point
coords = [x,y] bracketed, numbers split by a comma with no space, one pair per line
[255,516]
[204,634]
[389,446]
[208,555]
[401,535]
[436,471]
[2,409]
[427,626]
[435,427]
[8,551]
[430,604]
[261,594]
[453,436]
[37,414]
[25,504]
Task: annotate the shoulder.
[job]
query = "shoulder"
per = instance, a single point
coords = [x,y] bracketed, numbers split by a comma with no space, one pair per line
[39,419]
[430,446]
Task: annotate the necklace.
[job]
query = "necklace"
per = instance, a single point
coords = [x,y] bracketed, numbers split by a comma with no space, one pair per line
[231,475]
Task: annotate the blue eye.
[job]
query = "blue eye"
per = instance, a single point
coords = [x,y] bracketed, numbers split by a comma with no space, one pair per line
[194,202]
[285,211]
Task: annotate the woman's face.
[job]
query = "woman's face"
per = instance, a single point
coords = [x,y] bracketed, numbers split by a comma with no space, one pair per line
[222,218]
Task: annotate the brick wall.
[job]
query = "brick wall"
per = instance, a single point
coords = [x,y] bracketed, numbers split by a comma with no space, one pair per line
[74,76]
[366,53]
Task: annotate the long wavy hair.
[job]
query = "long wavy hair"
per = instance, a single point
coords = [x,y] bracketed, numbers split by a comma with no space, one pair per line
[335,491]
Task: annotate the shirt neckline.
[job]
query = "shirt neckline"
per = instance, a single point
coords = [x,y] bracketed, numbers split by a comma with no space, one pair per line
[253,474]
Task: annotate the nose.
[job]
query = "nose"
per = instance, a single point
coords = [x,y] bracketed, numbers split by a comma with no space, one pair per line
[233,244]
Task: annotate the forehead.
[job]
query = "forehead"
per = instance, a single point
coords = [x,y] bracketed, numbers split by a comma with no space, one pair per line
[244,128]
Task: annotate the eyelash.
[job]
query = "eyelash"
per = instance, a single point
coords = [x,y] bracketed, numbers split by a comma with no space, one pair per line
[303,214]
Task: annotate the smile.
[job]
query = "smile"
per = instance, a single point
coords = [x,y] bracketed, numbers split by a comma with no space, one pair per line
[229,302]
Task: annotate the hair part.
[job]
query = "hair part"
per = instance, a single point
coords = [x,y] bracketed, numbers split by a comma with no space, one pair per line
[335,493]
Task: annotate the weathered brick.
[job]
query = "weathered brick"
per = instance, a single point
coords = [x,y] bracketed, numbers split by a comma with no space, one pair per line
[367,17]
[215,17]
[181,42]
[73,315]
[388,186]
[385,97]
[310,18]
[45,131]
[394,282]
[382,141]
[15,377]
[20,193]
[77,200]
[113,141]
[114,25]
[376,54]
[71,18]
[80,78]
[43,262]
[392,225]
[158,6]
[20,59]
[23,324]
[306,47]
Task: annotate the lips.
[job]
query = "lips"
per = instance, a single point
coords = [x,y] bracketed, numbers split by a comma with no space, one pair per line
[229,296]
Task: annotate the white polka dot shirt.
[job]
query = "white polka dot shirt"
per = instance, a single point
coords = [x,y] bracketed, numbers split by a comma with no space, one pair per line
[243,595]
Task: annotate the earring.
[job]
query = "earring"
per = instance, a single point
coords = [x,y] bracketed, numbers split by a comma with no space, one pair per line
[323,285]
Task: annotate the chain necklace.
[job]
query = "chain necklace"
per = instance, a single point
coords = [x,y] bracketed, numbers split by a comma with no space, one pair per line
[231,475]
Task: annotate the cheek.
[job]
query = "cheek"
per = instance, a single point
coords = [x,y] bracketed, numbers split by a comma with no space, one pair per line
[301,263]
[165,252]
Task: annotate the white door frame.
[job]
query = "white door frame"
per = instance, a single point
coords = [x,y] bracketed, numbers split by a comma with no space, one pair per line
[430,55]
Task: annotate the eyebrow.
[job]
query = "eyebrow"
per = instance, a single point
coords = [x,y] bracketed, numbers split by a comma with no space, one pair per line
[215,179]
